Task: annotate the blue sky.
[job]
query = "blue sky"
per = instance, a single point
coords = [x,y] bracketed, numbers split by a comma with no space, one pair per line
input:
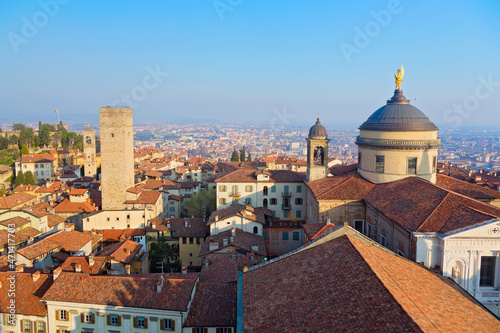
[242,60]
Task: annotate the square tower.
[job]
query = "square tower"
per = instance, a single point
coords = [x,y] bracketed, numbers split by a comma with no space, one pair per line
[89,150]
[117,156]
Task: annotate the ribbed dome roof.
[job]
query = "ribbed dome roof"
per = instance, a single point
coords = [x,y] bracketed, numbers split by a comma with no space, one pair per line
[398,115]
[318,131]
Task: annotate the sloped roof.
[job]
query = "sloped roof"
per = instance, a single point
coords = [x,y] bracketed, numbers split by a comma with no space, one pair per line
[351,285]
[257,214]
[196,227]
[74,207]
[250,176]
[346,187]
[242,240]
[123,252]
[28,293]
[465,188]
[15,199]
[138,291]
[420,206]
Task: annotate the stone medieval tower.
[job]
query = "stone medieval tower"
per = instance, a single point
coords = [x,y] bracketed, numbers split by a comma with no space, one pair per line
[89,150]
[317,152]
[117,156]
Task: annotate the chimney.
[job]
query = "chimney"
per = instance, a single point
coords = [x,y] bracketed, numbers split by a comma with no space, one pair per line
[20,269]
[216,218]
[57,272]
[35,276]
[78,268]
[159,286]
[245,269]
[233,232]
[255,248]
[328,221]
[224,242]
[127,269]
[186,223]
[91,260]
[184,270]
[127,251]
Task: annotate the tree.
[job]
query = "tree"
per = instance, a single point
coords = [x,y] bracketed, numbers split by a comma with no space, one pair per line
[19,179]
[4,143]
[24,150]
[202,204]
[18,127]
[243,154]
[235,157]
[29,178]
[159,252]
[249,158]
[13,139]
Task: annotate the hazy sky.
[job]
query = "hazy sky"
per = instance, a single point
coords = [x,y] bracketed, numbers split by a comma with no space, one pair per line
[274,62]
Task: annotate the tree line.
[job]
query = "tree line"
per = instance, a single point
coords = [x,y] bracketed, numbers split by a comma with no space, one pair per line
[48,135]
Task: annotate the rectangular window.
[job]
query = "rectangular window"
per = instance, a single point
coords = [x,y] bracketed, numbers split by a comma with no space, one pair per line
[41,326]
[168,325]
[383,241]
[359,160]
[273,212]
[42,173]
[368,231]
[248,201]
[358,225]
[191,240]
[298,201]
[249,188]
[299,188]
[88,317]
[379,164]
[172,209]
[286,213]
[27,325]
[295,235]
[235,189]
[140,322]
[222,201]
[265,234]
[114,320]
[184,240]
[274,201]
[299,214]
[285,235]
[222,188]
[62,314]
[273,189]
[487,278]
[36,166]
[287,189]
[412,166]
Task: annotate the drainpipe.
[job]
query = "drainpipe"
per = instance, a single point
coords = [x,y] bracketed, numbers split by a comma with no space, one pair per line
[239,304]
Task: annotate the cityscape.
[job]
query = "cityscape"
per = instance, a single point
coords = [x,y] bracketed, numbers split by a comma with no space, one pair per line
[237,167]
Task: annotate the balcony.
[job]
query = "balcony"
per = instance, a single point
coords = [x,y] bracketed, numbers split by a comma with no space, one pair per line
[286,194]
[286,206]
[234,195]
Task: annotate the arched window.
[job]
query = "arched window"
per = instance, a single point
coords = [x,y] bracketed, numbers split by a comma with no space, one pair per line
[264,203]
[255,230]
[265,190]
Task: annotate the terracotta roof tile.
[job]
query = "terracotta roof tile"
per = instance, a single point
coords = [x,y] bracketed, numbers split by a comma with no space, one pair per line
[347,187]
[15,200]
[257,214]
[123,252]
[138,291]
[17,221]
[471,190]
[196,227]
[242,240]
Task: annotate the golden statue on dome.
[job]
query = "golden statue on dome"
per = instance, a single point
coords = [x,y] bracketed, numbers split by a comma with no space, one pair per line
[399,77]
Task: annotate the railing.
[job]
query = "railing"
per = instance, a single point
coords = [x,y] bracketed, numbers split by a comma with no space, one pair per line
[398,143]
[286,194]
[234,194]
[286,206]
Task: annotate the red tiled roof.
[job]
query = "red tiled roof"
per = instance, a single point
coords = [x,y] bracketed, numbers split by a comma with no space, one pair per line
[74,207]
[71,241]
[351,285]
[17,221]
[70,263]
[15,200]
[77,191]
[138,291]
[347,187]
[421,206]
[27,294]
[53,220]
[37,158]
[123,252]
[255,214]
[196,227]
[471,190]
[25,188]
[174,197]
[250,176]
[242,240]
[146,197]
[339,170]
[316,230]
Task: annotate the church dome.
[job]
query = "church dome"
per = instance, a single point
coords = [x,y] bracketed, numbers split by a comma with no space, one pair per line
[398,115]
[318,131]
